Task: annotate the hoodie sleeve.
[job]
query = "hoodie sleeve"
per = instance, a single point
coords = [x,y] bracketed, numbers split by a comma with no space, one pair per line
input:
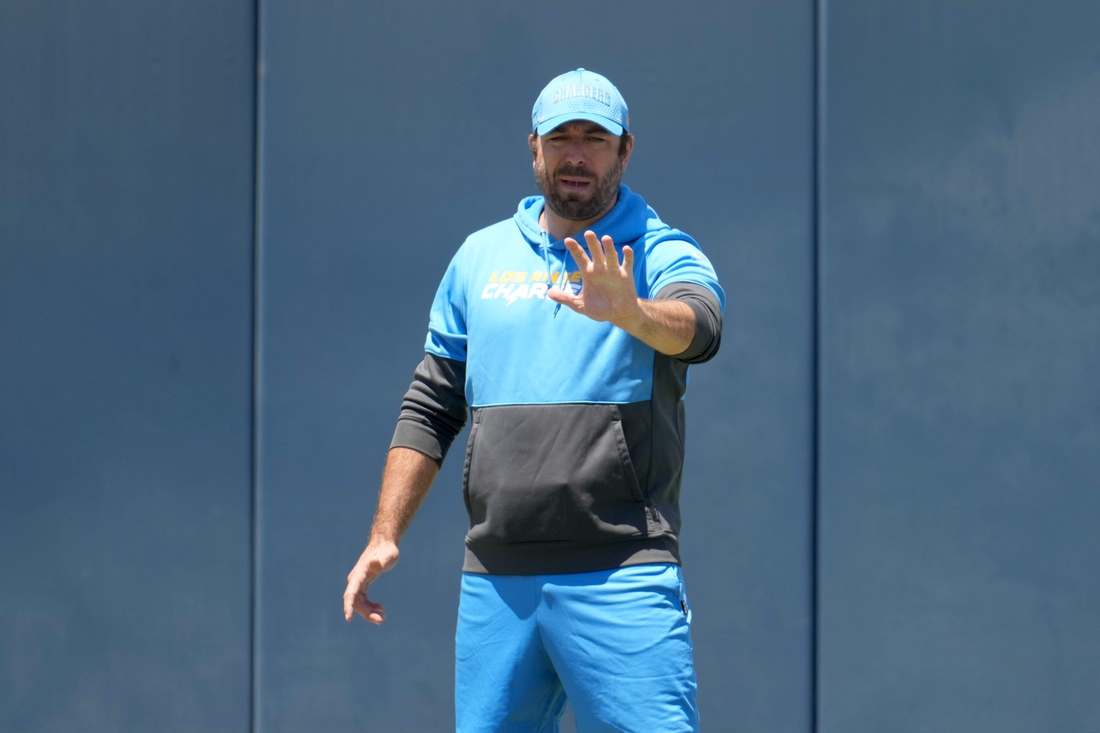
[447,323]
[679,261]
[434,408]
[678,270]
[708,320]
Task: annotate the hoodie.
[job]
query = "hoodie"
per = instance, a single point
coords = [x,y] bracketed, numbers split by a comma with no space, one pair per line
[576,446]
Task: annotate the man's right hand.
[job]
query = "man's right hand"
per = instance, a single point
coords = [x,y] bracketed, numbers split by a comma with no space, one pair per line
[379,557]
[405,481]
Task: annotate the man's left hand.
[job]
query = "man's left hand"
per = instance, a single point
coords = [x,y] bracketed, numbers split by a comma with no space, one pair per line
[609,292]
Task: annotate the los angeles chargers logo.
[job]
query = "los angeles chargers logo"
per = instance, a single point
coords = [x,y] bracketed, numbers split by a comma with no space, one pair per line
[513,285]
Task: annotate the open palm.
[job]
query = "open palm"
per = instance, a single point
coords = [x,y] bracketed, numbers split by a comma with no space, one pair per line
[608,292]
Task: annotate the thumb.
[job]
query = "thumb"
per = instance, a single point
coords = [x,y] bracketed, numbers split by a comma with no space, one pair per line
[560,296]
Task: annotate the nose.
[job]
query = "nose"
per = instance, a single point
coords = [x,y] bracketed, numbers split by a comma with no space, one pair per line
[576,152]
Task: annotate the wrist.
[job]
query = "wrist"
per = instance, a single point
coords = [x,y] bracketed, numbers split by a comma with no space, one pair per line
[632,319]
[381,540]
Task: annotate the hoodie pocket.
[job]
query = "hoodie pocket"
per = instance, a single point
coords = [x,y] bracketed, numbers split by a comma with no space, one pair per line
[551,473]
[624,454]
[466,464]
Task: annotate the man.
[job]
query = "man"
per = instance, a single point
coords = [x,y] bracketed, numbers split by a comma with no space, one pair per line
[571,582]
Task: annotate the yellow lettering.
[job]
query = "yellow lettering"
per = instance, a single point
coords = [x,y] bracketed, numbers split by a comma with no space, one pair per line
[507,276]
[520,277]
[494,278]
[576,278]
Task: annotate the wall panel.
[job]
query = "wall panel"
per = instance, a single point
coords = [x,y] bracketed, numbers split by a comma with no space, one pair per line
[961,302]
[125,365]
[392,130]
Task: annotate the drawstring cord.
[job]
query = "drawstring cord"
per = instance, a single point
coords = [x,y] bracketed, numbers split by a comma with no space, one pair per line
[550,271]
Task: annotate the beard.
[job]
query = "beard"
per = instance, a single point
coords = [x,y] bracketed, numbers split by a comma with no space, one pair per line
[575,206]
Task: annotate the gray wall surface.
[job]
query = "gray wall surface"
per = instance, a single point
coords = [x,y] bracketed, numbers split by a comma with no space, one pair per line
[126,149]
[221,226]
[960,348]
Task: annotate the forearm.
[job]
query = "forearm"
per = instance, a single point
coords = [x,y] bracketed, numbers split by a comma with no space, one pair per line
[405,482]
[666,325]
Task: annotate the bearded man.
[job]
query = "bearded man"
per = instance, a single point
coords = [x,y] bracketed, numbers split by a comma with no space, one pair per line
[571,584]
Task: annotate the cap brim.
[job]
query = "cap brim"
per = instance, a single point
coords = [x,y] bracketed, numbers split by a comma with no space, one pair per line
[546,126]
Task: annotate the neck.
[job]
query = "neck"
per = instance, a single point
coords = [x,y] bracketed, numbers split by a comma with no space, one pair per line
[560,228]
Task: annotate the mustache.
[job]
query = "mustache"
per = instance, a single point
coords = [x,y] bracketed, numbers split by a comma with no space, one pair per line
[574,171]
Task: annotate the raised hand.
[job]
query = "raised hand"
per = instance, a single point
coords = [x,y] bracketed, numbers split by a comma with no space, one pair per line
[609,292]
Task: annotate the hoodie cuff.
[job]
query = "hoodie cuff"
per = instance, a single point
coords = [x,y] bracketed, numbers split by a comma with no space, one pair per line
[708,319]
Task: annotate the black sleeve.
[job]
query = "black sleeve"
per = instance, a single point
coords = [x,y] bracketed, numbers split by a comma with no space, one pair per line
[708,319]
[434,409]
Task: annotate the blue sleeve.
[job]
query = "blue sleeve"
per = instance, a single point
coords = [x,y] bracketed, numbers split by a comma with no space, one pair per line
[679,261]
[447,324]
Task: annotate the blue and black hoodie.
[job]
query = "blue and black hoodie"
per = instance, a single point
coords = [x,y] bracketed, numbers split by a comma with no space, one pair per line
[577,443]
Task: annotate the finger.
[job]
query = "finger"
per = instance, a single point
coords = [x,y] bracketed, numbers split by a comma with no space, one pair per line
[357,599]
[350,594]
[628,260]
[375,613]
[594,247]
[369,610]
[578,253]
[609,250]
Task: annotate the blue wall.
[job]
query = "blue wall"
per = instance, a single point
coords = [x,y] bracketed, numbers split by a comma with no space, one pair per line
[900,199]
[125,365]
[960,348]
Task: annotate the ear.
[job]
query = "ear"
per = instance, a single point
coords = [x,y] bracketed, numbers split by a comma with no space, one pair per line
[629,150]
[533,143]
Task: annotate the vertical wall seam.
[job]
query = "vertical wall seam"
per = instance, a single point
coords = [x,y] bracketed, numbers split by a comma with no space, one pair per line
[818,46]
[257,364]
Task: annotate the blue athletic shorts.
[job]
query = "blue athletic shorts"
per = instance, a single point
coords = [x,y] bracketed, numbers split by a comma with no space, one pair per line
[617,643]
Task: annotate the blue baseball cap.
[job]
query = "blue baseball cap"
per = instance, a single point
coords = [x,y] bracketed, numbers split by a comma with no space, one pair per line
[580,95]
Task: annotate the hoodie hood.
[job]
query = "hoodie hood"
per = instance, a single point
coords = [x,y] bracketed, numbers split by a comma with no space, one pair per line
[630,220]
